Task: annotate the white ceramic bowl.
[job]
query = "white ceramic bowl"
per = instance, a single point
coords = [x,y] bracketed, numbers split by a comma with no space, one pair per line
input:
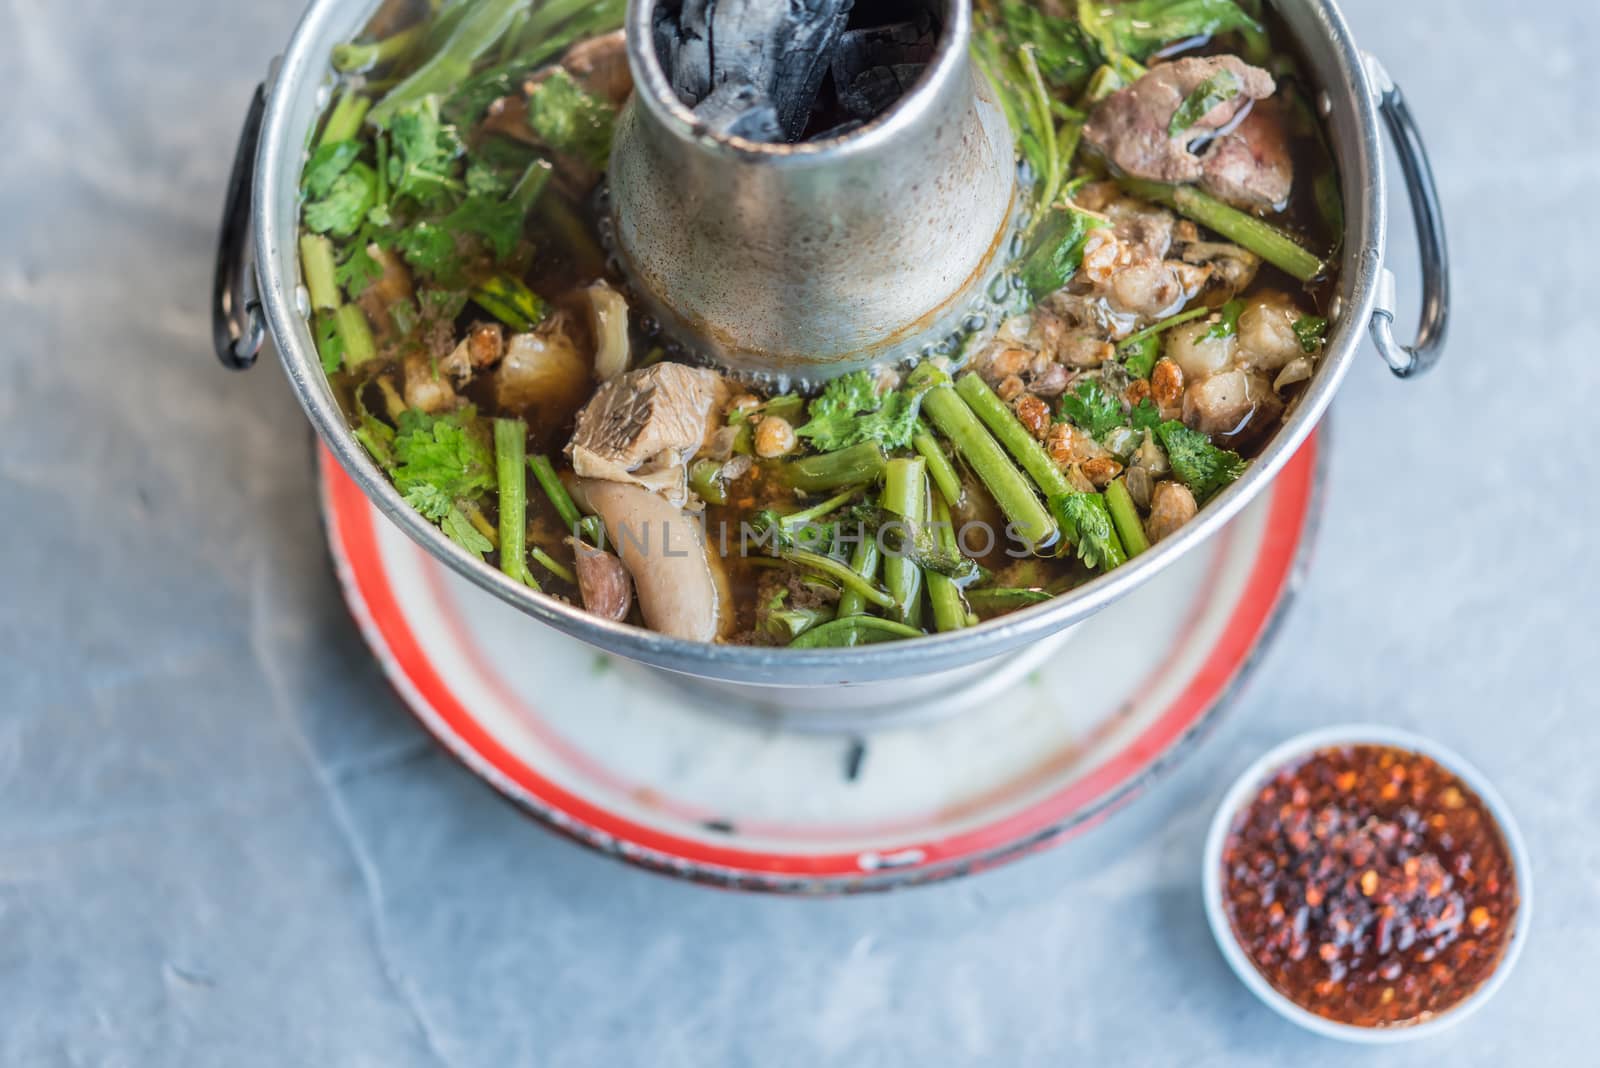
[1245,788]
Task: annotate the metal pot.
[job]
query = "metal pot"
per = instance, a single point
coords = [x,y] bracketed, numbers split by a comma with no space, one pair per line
[261,219]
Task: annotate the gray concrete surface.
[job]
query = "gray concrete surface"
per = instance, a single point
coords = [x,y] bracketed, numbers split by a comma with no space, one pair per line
[222,842]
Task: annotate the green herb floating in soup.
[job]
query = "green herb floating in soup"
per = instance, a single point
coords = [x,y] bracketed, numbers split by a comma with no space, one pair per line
[1171,300]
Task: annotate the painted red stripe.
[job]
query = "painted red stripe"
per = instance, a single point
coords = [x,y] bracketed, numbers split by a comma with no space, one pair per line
[355,534]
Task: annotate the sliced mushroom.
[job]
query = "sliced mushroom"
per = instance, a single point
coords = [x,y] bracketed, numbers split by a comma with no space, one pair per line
[605,585]
[679,581]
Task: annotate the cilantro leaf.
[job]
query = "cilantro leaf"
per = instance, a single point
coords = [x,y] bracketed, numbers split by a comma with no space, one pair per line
[429,248]
[1228,324]
[570,120]
[1200,465]
[359,269]
[497,221]
[850,411]
[330,344]
[327,163]
[1146,416]
[344,207]
[1217,89]
[1310,330]
[422,164]
[1093,407]
[442,460]
[459,529]
[1086,520]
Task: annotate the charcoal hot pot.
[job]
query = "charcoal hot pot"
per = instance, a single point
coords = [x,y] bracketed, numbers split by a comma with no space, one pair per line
[258,292]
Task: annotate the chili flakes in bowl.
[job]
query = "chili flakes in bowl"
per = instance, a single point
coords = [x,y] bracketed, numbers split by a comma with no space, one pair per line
[1369,885]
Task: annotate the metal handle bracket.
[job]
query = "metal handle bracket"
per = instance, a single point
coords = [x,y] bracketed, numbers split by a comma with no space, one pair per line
[1407,361]
[238,328]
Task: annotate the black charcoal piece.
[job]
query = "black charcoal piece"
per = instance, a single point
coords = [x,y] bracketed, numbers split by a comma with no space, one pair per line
[875,91]
[687,56]
[738,109]
[781,46]
[861,50]
[807,51]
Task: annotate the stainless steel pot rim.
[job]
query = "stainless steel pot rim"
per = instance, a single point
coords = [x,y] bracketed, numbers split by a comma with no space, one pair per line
[278,163]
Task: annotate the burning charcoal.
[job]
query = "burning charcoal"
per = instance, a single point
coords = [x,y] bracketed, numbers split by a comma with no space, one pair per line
[683,47]
[781,46]
[739,109]
[875,91]
[807,51]
[859,51]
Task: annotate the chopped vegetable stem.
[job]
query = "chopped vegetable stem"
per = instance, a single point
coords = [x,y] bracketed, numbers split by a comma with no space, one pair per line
[364,56]
[857,465]
[840,573]
[345,121]
[1260,237]
[864,561]
[356,333]
[940,469]
[1005,599]
[510,444]
[853,630]
[1125,516]
[1005,426]
[544,472]
[480,27]
[949,610]
[1006,483]
[552,565]
[817,511]
[317,264]
[904,496]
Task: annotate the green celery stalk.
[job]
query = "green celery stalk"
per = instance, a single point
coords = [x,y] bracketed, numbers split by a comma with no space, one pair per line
[1125,517]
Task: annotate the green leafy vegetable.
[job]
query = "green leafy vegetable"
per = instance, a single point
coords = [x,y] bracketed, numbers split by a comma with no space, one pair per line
[1227,323]
[443,465]
[570,120]
[1200,465]
[478,27]
[1057,251]
[1093,407]
[327,163]
[1145,415]
[376,436]
[1086,521]
[1067,55]
[359,269]
[422,165]
[1135,29]
[1215,90]
[343,208]
[1310,330]
[431,249]
[850,411]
